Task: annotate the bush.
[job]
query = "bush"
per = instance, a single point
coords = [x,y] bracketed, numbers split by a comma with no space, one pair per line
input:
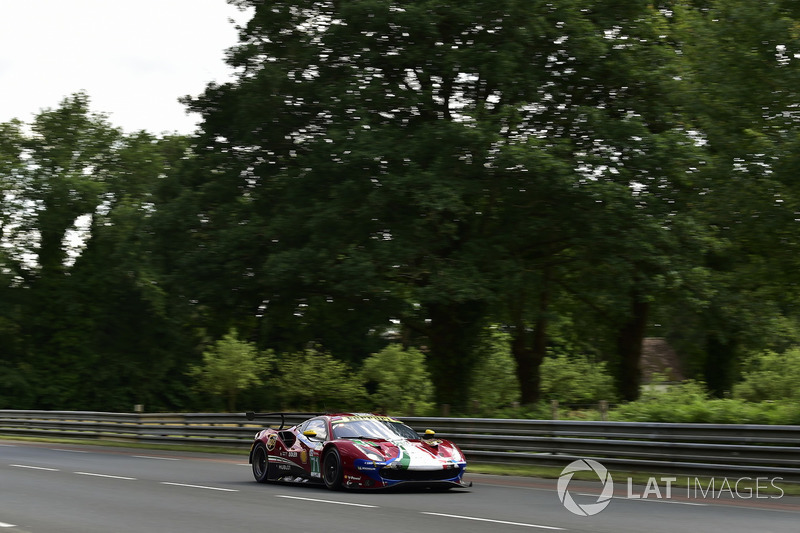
[494,384]
[570,379]
[316,380]
[576,379]
[401,382]
[229,367]
[685,402]
[689,402]
[770,376]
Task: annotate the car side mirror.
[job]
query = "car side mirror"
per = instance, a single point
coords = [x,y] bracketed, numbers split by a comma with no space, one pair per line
[310,433]
[429,433]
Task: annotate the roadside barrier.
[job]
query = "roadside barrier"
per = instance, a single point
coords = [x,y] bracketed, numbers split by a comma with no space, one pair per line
[698,449]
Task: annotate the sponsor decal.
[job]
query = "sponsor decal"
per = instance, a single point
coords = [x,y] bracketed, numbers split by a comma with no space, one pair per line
[304,456]
[315,464]
[271,442]
[366,417]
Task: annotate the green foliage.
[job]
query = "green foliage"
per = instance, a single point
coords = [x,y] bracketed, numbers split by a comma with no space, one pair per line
[495,383]
[401,381]
[689,402]
[685,402]
[743,94]
[770,376]
[229,367]
[536,411]
[581,173]
[576,379]
[312,379]
[84,322]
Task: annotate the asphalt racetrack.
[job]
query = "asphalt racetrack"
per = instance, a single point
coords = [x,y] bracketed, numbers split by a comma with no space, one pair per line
[51,488]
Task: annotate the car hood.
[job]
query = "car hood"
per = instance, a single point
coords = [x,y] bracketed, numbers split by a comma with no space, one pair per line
[410,454]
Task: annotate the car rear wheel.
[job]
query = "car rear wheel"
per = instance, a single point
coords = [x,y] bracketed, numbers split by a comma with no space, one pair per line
[332,469]
[261,463]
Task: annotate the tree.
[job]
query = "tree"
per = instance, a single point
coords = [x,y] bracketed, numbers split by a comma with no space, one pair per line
[742,72]
[400,380]
[89,322]
[52,177]
[495,384]
[576,380]
[312,379]
[229,367]
[404,157]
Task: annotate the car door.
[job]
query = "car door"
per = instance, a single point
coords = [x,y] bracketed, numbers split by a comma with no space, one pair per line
[311,437]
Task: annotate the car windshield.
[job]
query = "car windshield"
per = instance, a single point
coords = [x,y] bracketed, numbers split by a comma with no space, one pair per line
[372,428]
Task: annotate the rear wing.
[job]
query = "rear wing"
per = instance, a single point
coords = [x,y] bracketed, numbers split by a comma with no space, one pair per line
[250,415]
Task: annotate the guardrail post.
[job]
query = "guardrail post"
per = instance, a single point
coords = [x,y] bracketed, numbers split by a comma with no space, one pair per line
[554,406]
[604,410]
[139,420]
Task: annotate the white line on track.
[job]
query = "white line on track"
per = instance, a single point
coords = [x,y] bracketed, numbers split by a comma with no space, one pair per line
[504,522]
[655,500]
[324,501]
[159,458]
[36,468]
[66,450]
[9,445]
[3,524]
[105,476]
[198,486]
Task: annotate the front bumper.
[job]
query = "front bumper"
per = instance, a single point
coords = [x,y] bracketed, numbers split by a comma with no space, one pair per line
[374,474]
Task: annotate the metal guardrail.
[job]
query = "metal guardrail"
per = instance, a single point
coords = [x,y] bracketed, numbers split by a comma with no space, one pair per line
[654,448]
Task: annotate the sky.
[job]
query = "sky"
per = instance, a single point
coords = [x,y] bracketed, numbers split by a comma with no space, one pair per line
[134,58]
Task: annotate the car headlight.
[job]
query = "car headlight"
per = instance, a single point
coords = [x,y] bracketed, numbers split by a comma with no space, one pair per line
[455,456]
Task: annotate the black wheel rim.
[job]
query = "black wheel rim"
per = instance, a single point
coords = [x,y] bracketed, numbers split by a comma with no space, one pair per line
[331,469]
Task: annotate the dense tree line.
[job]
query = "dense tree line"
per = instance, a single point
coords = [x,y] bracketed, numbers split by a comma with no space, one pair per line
[579,173]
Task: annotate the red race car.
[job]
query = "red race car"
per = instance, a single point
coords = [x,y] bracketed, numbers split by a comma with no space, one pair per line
[354,450]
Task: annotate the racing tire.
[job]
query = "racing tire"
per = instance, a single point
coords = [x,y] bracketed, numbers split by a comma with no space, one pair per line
[332,469]
[261,463]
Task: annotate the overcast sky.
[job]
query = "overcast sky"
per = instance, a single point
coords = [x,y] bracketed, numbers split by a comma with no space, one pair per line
[134,58]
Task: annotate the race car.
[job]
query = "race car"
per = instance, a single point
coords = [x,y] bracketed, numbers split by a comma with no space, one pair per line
[354,451]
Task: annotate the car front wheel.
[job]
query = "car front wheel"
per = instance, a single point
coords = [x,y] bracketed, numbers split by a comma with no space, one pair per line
[332,469]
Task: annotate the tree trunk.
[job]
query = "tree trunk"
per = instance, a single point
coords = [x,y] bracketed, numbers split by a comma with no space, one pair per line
[452,332]
[629,346]
[719,365]
[528,349]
